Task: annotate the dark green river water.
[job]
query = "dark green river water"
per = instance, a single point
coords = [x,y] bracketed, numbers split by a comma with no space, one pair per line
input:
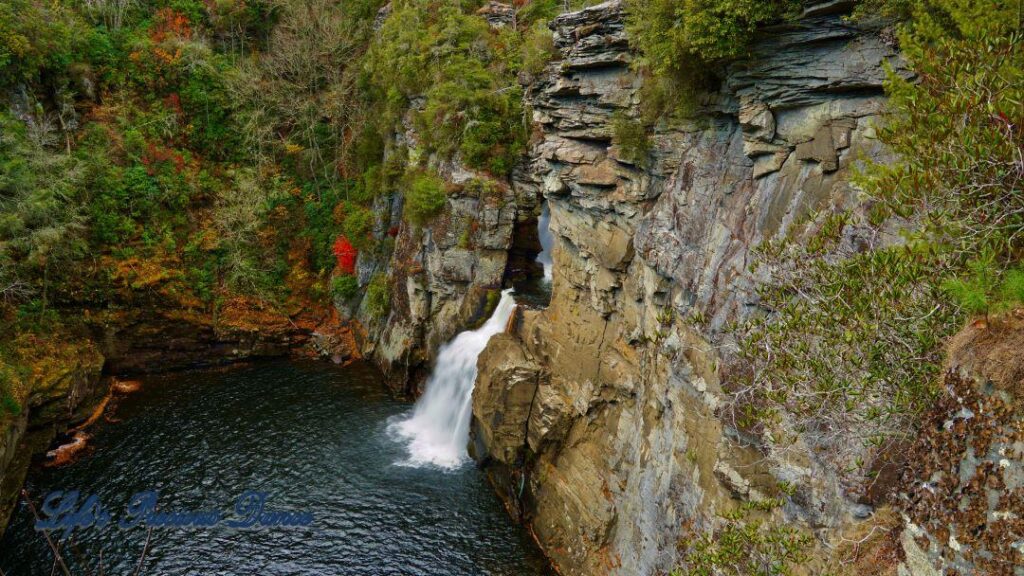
[312,437]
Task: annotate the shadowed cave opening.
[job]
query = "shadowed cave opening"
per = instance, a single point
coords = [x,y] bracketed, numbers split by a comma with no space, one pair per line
[529,262]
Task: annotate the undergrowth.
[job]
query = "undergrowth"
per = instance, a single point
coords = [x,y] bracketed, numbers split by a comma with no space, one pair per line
[848,353]
[746,542]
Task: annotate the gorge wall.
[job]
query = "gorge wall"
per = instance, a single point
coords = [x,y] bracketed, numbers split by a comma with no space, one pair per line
[605,419]
[602,418]
[448,275]
[442,277]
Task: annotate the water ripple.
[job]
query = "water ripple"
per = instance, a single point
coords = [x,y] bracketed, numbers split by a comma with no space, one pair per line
[311,435]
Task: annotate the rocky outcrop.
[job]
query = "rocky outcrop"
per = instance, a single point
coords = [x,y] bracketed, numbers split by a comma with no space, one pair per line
[511,382]
[600,416]
[60,388]
[443,276]
[155,339]
[962,492]
[497,14]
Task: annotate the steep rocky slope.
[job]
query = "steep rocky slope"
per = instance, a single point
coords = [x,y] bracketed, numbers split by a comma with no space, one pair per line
[445,275]
[62,386]
[602,417]
[962,492]
[442,277]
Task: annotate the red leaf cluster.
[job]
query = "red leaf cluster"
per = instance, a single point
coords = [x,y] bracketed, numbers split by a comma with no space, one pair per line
[173,102]
[346,254]
[157,155]
[169,23]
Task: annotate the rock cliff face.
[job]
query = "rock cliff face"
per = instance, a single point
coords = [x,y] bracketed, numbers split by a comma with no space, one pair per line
[157,339]
[599,417]
[443,276]
[62,385]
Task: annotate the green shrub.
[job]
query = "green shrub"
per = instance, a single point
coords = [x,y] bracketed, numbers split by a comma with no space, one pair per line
[632,138]
[538,48]
[378,296]
[40,209]
[1012,289]
[491,304]
[466,239]
[545,10]
[206,102]
[980,290]
[358,226]
[745,546]
[677,36]
[481,188]
[344,287]
[7,401]
[320,226]
[9,404]
[37,37]
[493,142]
[682,43]
[172,109]
[540,11]
[856,343]
[424,197]
[36,316]
[466,112]
[895,9]
[665,97]
[462,69]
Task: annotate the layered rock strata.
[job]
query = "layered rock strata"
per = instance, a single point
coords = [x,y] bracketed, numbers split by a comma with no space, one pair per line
[599,418]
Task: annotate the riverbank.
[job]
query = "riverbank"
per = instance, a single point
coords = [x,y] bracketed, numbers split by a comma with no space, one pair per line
[57,376]
[313,436]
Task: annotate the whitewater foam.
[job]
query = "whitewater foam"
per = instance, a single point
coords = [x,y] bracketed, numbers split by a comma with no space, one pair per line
[437,430]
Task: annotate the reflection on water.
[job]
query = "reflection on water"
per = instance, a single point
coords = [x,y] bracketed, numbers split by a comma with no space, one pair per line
[311,435]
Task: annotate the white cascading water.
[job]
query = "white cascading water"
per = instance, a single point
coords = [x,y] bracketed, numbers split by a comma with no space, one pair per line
[437,431]
[546,241]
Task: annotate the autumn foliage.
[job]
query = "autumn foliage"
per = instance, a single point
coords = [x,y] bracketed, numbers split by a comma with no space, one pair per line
[156,156]
[346,255]
[169,23]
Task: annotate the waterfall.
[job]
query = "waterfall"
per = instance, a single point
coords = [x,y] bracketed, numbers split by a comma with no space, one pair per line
[437,431]
[546,241]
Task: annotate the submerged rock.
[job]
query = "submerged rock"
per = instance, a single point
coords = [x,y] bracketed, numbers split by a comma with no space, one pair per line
[66,453]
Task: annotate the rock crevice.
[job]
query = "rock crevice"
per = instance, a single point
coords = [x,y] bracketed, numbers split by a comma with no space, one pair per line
[605,406]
